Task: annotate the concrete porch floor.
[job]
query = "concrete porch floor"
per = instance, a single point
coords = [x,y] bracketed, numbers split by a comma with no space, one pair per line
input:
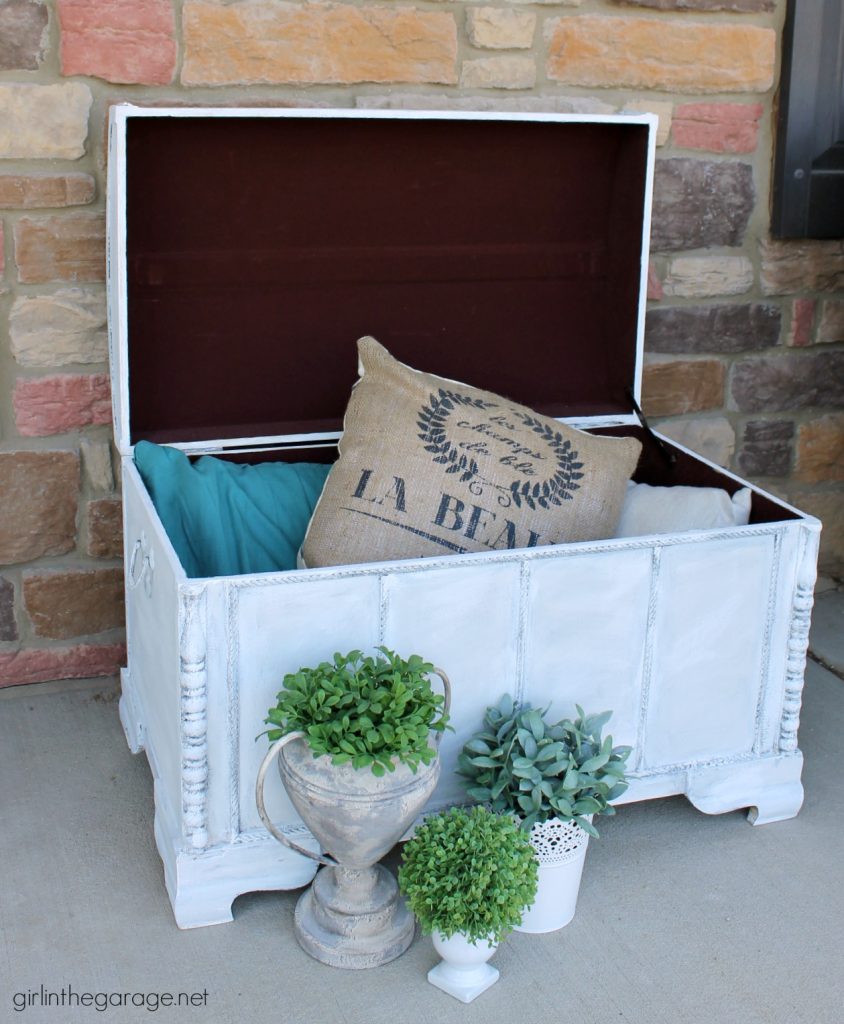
[682,918]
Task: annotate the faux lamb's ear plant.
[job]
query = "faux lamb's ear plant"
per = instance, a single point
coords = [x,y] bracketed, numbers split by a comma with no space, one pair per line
[366,711]
[520,764]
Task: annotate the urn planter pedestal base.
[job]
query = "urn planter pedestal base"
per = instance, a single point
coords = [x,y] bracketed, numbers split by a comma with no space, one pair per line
[354,919]
[352,916]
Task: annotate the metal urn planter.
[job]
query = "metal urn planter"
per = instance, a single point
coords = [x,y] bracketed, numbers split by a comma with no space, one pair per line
[352,915]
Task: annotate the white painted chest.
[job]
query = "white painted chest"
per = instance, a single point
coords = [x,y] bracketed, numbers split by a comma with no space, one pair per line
[248,249]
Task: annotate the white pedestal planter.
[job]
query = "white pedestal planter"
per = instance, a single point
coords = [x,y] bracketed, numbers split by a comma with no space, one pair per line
[463,972]
[561,850]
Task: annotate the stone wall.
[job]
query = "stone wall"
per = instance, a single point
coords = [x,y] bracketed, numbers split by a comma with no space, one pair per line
[745,357]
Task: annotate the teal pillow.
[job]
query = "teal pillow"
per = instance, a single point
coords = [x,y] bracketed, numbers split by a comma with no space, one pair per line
[225,519]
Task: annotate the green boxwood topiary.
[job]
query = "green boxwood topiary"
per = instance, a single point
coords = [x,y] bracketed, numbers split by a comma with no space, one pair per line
[520,764]
[470,872]
[369,711]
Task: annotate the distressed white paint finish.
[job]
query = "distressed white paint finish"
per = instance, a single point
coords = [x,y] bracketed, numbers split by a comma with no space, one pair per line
[580,605]
[707,667]
[278,629]
[697,642]
[691,640]
[468,622]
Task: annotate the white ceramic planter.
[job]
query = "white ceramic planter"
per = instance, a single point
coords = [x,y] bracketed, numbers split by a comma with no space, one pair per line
[463,971]
[561,851]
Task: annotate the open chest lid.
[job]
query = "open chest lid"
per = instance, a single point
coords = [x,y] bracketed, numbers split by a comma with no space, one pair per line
[248,250]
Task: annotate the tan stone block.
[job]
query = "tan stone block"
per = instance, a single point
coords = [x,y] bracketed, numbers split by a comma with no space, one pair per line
[105,528]
[61,605]
[662,108]
[61,248]
[799,266]
[38,500]
[66,327]
[675,387]
[271,41]
[820,449]
[518,104]
[600,52]
[495,28]
[19,192]
[96,463]
[713,437]
[701,276]
[831,326]
[828,506]
[44,121]
[498,73]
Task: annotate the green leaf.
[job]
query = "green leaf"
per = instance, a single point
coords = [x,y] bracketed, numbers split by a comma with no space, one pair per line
[484,762]
[478,746]
[559,803]
[479,793]
[499,786]
[535,724]
[594,763]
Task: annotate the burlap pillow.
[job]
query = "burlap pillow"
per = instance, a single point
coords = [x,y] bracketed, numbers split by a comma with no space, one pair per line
[428,466]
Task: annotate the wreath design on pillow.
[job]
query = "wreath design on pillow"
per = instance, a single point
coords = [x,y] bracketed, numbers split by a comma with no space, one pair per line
[433,423]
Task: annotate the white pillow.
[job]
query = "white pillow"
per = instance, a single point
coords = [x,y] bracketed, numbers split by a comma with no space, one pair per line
[649,509]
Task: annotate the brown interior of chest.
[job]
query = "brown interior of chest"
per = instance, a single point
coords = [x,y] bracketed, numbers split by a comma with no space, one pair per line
[654,468]
[687,471]
[503,253]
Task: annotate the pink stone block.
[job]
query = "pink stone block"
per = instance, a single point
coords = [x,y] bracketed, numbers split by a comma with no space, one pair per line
[79,662]
[717,127]
[127,41]
[802,318]
[52,405]
[654,284]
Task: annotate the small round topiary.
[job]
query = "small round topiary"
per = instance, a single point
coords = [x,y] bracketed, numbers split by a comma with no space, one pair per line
[469,872]
[370,712]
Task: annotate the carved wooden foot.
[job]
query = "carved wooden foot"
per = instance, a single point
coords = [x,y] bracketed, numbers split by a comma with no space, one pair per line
[769,787]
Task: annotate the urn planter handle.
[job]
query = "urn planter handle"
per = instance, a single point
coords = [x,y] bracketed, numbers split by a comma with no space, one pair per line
[272,753]
[447,706]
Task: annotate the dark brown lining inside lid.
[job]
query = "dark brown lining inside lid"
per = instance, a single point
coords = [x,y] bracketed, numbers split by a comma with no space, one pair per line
[503,254]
